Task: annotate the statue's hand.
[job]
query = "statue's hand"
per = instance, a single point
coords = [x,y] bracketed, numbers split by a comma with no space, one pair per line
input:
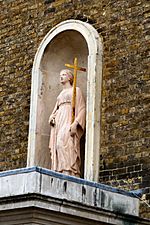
[51,120]
[73,128]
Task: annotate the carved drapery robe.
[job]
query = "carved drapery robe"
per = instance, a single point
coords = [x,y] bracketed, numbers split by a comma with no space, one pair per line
[65,149]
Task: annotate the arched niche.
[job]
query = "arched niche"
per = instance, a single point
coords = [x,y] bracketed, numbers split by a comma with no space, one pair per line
[69,39]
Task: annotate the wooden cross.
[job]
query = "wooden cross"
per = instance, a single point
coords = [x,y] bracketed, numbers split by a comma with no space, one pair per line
[76,68]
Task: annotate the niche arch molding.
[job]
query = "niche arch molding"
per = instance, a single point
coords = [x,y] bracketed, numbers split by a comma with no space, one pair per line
[93,98]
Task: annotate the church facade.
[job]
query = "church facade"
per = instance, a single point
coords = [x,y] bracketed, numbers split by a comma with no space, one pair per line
[123,27]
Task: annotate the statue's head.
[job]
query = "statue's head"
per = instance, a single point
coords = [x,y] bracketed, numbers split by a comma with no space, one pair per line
[68,74]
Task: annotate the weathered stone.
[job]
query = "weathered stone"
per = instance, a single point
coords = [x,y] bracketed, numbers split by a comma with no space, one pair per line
[65,196]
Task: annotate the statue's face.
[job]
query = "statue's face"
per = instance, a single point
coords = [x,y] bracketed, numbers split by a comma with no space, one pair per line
[63,77]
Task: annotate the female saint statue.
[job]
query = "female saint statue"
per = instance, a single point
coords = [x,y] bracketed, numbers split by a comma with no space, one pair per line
[65,137]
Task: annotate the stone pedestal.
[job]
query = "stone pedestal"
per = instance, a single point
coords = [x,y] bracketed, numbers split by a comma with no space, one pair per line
[40,196]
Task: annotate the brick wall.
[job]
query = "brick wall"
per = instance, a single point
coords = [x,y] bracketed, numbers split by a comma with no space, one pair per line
[125,28]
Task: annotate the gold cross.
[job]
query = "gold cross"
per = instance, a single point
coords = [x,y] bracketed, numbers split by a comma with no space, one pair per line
[76,68]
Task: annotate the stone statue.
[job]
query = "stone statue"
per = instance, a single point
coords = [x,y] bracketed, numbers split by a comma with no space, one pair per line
[65,136]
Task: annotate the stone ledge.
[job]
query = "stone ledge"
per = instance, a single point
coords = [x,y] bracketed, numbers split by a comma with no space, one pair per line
[71,197]
[65,177]
[38,216]
[36,180]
